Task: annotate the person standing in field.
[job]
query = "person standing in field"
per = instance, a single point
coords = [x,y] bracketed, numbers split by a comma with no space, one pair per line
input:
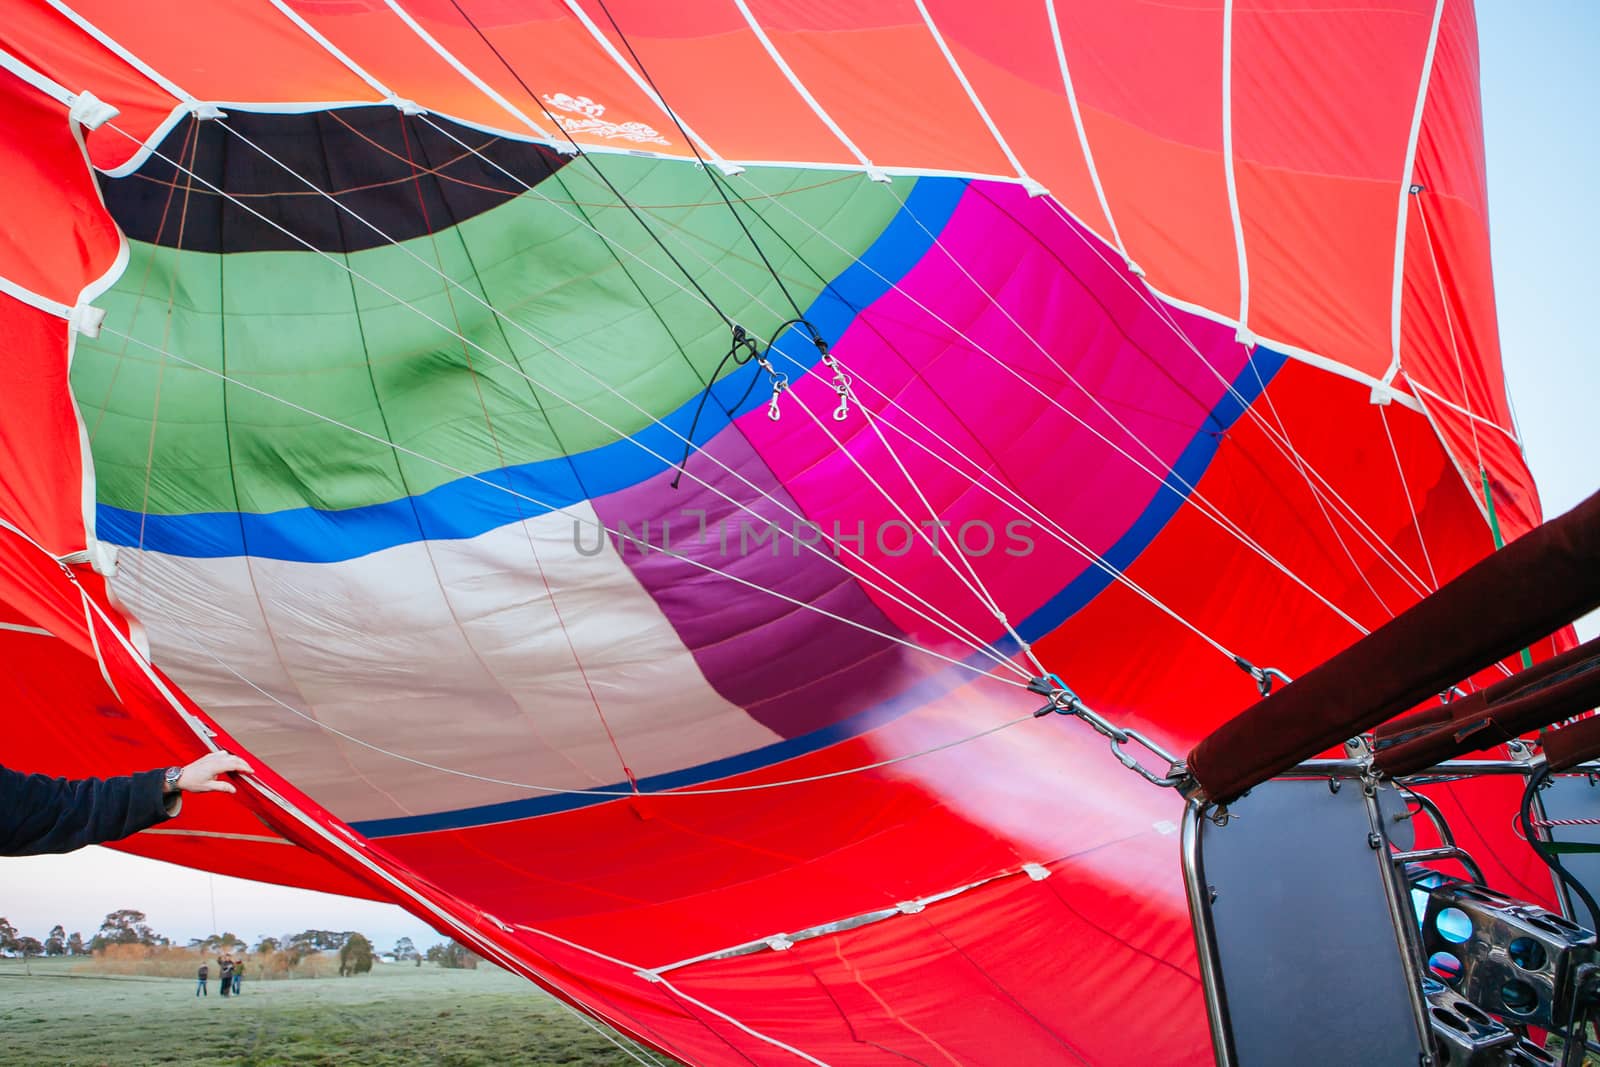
[238,975]
[225,973]
[200,985]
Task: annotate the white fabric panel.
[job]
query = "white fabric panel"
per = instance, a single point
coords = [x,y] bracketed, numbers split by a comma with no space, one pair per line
[450,652]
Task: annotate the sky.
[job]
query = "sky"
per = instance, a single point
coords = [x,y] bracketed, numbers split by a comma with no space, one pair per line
[1541,93]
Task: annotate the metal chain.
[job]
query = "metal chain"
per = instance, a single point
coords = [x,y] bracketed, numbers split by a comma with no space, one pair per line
[1063,701]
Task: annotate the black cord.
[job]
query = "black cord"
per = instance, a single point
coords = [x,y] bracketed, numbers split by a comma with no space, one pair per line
[623,200]
[742,342]
[643,70]
[1550,859]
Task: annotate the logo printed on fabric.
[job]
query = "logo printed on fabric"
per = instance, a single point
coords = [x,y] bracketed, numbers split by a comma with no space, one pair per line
[592,123]
[740,537]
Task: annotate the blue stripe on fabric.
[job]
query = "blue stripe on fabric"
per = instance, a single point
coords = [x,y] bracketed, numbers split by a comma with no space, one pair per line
[1263,366]
[474,505]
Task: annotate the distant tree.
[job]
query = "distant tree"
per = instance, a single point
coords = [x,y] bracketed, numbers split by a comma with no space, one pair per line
[126,927]
[75,946]
[224,943]
[56,943]
[267,944]
[404,950]
[29,946]
[355,955]
[454,955]
[8,936]
[307,942]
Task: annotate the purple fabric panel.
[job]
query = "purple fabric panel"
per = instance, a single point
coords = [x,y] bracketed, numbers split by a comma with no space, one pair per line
[793,669]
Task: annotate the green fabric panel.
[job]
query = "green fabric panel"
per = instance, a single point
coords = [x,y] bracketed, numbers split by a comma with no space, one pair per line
[298,327]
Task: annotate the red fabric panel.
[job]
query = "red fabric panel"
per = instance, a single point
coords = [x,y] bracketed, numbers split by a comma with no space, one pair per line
[43,496]
[55,247]
[48,42]
[1449,333]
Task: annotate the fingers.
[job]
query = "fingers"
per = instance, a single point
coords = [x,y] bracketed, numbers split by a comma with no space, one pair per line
[203,775]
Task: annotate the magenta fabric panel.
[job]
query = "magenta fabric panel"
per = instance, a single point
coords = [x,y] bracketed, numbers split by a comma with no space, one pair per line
[1047,347]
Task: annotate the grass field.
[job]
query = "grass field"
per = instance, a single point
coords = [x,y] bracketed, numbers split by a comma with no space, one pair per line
[398,1014]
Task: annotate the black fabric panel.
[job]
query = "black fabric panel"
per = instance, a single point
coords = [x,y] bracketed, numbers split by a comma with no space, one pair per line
[374,159]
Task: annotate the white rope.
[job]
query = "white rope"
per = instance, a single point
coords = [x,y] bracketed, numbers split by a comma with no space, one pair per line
[976,643]
[1032,185]
[873,172]
[1022,506]
[1300,467]
[1058,531]
[1228,175]
[679,791]
[1064,536]
[559,510]
[971,637]
[1285,448]
[1077,123]
[1402,211]
[1201,503]
[975,584]
[652,977]
[354,848]
[1405,487]
[993,607]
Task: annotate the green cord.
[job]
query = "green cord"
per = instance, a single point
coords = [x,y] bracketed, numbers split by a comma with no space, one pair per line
[1499,541]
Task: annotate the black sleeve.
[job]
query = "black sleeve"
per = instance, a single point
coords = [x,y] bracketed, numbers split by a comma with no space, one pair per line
[41,814]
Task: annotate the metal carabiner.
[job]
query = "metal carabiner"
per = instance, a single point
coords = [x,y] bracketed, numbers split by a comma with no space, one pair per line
[780,382]
[1173,776]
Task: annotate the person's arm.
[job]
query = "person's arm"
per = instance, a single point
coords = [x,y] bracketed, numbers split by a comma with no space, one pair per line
[40,814]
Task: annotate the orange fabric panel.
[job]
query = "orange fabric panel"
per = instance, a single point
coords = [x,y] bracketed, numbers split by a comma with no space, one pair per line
[1011,61]
[1323,87]
[550,51]
[227,52]
[1149,83]
[386,48]
[1320,126]
[1171,206]
[890,89]
[1321,258]
[723,83]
